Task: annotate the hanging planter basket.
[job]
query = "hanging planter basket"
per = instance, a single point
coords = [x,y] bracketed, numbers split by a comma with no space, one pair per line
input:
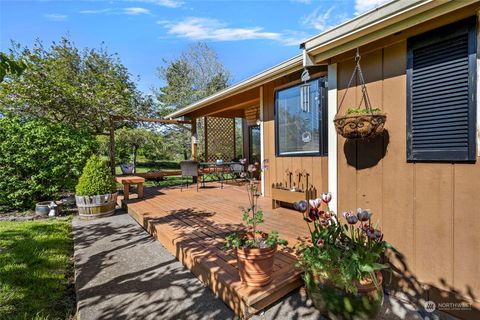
[358,123]
[360,126]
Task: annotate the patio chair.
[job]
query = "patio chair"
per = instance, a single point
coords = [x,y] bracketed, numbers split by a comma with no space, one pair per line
[189,169]
[236,169]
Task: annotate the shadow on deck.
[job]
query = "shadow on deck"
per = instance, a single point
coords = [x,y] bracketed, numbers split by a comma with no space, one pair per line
[191,226]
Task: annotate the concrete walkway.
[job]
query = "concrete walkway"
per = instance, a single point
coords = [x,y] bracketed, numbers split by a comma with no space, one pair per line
[123,273]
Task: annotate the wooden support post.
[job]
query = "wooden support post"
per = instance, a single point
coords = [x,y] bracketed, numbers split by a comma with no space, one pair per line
[112,145]
[205,132]
[194,139]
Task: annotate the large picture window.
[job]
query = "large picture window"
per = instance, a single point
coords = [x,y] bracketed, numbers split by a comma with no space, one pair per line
[300,119]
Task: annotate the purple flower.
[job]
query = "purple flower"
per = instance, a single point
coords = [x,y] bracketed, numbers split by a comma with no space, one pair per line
[374,234]
[363,215]
[301,206]
[350,217]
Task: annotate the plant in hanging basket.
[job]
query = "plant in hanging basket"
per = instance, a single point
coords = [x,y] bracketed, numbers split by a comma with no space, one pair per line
[360,123]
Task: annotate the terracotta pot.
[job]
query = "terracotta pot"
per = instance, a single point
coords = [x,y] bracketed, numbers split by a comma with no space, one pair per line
[336,303]
[255,265]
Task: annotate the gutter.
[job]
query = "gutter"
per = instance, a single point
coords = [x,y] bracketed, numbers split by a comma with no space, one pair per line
[383,21]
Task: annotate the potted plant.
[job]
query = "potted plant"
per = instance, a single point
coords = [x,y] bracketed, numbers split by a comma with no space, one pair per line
[255,250]
[359,123]
[342,261]
[96,194]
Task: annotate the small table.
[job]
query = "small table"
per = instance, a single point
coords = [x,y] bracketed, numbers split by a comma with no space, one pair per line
[127,181]
[215,170]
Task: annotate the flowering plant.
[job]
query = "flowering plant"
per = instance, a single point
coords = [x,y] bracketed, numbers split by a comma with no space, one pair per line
[252,217]
[345,254]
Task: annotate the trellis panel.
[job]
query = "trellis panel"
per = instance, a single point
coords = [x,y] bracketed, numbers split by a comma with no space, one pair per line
[219,138]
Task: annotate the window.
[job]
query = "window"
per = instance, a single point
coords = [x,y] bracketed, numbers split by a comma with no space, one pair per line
[300,119]
[441,97]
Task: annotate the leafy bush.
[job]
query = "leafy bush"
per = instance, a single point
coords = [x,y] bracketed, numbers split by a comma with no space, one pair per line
[96,178]
[38,160]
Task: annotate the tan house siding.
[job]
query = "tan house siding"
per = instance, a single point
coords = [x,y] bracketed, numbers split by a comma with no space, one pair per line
[429,211]
[277,166]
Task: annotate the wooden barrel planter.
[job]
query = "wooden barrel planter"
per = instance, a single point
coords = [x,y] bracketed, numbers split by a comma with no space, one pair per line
[360,126]
[92,207]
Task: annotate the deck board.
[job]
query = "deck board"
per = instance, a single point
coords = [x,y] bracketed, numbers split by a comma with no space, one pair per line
[191,225]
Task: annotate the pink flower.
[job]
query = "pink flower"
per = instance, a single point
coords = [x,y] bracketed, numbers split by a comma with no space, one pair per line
[315,203]
[326,197]
[325,222]
[243,161]
[320,243]
[252,168]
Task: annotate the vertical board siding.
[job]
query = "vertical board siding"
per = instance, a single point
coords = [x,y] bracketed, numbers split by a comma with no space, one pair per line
[277,166]
[430,211]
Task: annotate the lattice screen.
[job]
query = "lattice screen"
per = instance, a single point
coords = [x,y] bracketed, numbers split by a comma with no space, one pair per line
[219,138]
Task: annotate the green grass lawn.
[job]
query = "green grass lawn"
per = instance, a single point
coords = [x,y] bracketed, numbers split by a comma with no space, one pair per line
[34,269]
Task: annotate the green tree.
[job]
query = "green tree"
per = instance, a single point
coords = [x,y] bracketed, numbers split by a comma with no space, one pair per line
[194,75]
[10,66]
[39,159]
[130,141]
[81,88]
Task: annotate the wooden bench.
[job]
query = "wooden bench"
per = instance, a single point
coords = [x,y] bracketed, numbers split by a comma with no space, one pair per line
[127,181]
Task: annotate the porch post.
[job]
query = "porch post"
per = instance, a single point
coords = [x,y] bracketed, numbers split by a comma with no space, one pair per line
[262,144]
[332,135]
[194,139]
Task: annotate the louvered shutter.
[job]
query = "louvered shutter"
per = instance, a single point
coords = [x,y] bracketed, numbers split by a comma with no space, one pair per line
[441,97]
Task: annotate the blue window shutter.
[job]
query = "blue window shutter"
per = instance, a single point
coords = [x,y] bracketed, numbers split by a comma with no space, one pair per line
[441,94]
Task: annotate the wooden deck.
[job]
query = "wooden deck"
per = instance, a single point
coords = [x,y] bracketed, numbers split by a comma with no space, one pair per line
[192,225]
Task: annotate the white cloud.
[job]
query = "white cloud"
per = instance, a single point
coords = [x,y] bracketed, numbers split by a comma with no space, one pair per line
[319,19]
[163,3]
[132,11]
[56,16]
[303,1]
[365,5]
[136,11]
[95,11]
[210,29]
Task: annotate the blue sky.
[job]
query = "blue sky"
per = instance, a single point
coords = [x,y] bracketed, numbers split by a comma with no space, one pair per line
[249,36]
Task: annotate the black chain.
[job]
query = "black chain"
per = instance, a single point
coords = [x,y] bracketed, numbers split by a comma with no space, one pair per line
[358,72]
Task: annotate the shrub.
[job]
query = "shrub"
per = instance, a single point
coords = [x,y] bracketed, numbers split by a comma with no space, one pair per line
[96,179]
[39,159]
